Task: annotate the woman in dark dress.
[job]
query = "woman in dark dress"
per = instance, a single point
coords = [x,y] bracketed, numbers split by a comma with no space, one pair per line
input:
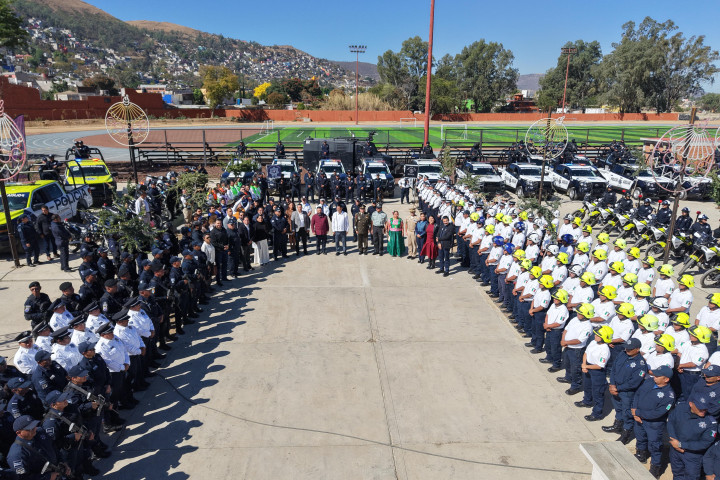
[429,249]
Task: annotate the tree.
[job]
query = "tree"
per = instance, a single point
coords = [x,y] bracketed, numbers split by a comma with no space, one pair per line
[101,82]
[219,83]
[12,33]
[582,81]
[260,90]
[277,99]
[403,70]
[444,94]
[198,97]
[484,73]
[710,102]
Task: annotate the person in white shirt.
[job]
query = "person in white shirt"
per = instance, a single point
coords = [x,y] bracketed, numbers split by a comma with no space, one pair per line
[549,262]
[60,317]
[625,293]
[647,326]
[604,242]
[565,228]
[520,283]
[682,298]
[142,206]
[24,358]
[503,266]
[491,264]
[510,277]
[618,252]
[525,301]
[576,232]
[575,337]
[341,227]
[623,328]
[116,357]
[693,358]
[604,306]
[632,264]
[647,272]
[80,332]
[209,250]
[614,275]
[64,351]
[541,301]
[42,333]
[581,255]
[598,266]
[532,250]
[95,318]
[658,306]
[583,293]
[709,316]
[555,318]
[664,285]
[640,302]
[518,238]
[594,362]
[662,356]
[679,323]
[132,341]
[586,236]
[560,272]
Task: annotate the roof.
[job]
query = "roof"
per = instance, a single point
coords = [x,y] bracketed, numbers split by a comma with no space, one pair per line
[86,161]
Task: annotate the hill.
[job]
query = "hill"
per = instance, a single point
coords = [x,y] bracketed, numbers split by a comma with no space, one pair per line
[365,69]
[165,27]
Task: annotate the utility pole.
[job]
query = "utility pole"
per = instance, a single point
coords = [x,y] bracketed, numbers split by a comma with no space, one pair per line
[566,51]
[357,50]
[429,73]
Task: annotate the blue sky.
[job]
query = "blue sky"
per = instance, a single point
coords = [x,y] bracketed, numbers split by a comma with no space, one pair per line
[533,31]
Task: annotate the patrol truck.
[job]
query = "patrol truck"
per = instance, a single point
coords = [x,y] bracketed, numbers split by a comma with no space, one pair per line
[432,169]
[330,168]
[287,169]
[524,179]
[578,180]
[31,197]
[629,177]
[487,179]
[372,168]
[94,173]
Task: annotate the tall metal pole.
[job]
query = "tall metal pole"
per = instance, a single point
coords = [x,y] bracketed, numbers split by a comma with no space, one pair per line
[357,50]
[568,51]
[678,187]
[131,148]
[545,152]
[429,73]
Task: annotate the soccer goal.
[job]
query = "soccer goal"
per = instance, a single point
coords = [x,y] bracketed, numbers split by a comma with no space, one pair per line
[408,122]
[268,126]
[453,132]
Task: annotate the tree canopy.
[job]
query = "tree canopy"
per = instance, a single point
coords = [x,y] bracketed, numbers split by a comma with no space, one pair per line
[12,34]
[219,83]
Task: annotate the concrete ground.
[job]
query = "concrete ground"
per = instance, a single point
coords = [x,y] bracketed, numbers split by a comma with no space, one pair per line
[325,367]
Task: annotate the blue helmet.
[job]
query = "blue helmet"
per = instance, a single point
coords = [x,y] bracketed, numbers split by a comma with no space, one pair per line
[567,238]
[498,240]
[509,248]
[520,226]
[481,220]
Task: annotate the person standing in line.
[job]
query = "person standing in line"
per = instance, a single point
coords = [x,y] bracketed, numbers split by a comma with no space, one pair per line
[219,239]
[378,219]
[42,225]
[62,238]
[320,227]
[279,227]
[260,233]
[362,227]
[245,232]
[404,185]
[30,240]
[300,225]
[395,228]
[444,238]
[340,226]
[409,233]
[420,235]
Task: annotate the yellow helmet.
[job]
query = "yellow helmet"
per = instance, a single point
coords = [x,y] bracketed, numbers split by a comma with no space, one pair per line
[634,252]
[642,289]
[603,237]
[667,270]
[526,264]
[666,341]
[588,277]
[507,219]
[702,333]
[577,221]
[583,247]
[715,299]
[547,281]
[536,272]
[682,319]
[499,216]
[687,280]
[650,322]
[620,242]
[630,278]
[523,215]
[626,310]
[519,254]
[561,295]
[600,254]
[563,258]
[475,216]
[609,292]
[586,310]
[604,332]
[490,229]
[587,228]
[618,267]
[650,260]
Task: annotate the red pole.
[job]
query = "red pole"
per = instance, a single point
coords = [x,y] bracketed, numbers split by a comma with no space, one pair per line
[429,73]
[567,71]
[357,67]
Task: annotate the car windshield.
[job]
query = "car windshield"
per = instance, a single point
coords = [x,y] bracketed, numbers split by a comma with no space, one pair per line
[429,169]
[482,170]
[332,169]
[89,171]
[287,168]
[16,201]
[373,169]
[645,173]
[529,171]
[585,172]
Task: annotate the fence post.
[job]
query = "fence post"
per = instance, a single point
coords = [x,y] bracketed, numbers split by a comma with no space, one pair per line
[204,150]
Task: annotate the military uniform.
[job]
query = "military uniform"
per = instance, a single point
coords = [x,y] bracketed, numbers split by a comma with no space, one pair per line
[362,228]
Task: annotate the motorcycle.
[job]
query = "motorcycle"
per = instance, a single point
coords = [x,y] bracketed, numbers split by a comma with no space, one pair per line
[680,247]
[654,233]
[633,230]
[618,221]
[705,253]
[711,278]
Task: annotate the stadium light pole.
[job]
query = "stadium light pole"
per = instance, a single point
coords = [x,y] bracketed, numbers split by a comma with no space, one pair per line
[568,52]
[357,50]
[429,73]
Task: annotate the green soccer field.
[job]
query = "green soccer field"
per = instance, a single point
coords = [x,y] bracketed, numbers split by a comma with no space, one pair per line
[413,136]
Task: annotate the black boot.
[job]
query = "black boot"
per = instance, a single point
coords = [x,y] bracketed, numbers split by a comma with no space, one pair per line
[626,436]
[615,428]
[655,470]
[642,455]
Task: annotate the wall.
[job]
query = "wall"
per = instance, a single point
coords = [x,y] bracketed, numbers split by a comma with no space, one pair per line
[21,100]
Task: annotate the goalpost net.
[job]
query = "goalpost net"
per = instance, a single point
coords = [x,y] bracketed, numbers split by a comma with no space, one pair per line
[454,132]
[408,122]
[268,126]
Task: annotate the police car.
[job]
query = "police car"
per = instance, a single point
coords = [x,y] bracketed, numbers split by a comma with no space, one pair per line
[486,177]
[372,168]
[31,197]
[94,173]
[287,169]
[524,179]
[432,169]
[330,168]
[630,177]
[578,180]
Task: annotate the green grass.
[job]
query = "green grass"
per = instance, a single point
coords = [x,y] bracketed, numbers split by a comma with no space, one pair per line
[413,136]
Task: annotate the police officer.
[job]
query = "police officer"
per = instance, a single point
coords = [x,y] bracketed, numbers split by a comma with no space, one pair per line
[325,150]
[625,203]
[310,186]
[280,229]
[48,376]
[279,150]
[683,222]
[90,290]
[664,215]
[627,374]
[165,297]
[700,226]
[110,304]
[295,186]
[691,432]
[181,290]
[235,248]
[71,299]
[32,450]
[30,240]
[24,400]
[106,268]
[36,305]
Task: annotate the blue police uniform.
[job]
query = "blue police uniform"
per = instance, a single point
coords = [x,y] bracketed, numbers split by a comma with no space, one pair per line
[696,434]
[23,456]
[627,374]
[652,404]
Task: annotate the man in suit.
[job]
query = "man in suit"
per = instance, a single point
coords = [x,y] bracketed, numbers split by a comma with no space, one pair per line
[300,225]
[444,239]
[245,232]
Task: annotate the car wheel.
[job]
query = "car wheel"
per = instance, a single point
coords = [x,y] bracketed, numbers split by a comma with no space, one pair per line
[636,192]
[572,193]
[520,192]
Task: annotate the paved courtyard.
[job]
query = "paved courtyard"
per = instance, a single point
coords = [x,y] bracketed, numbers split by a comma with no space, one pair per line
[328,367]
